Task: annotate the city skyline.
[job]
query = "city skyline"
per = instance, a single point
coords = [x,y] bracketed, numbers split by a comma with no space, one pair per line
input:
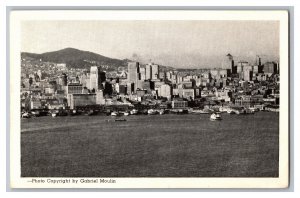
[163,42]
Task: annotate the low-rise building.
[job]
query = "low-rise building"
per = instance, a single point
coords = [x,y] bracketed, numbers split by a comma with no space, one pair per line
[74,88]
[179,104]
[35,104]
[165,91]
[78,100]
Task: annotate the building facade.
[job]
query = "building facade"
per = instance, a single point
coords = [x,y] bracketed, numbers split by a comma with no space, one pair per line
[155,72]
[97,77]
[74,88]
[80,100]
[133,72]
[148,72]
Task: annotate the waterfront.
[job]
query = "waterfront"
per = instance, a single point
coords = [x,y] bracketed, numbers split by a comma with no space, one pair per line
[151,146]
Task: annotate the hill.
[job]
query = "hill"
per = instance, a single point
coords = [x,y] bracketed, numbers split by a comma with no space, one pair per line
[75,58]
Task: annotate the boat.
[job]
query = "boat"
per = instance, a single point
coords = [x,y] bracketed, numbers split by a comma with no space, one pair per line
[230,111]
[224,109]
[114,113]
[199,111]
[151,112]
[161,112]
[134,112]
[54,114]
[237,110]
[120,120]
[72,112]
[35,113]
[126,114]
[90,113]
[26,115]
[252,109]
[215,116]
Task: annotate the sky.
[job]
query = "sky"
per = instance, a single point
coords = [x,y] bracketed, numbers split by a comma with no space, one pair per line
[184,44]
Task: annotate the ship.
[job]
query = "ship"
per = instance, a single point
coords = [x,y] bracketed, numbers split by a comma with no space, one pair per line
[120,120]
[54,113]
[152,112]
[134,112]
[114,113]
[215,116]
[26,115]
[161,112]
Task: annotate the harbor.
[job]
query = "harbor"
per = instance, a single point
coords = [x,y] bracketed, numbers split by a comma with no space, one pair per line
[175,146]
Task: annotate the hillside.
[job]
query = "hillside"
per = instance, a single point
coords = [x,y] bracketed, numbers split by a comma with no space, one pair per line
[75,58]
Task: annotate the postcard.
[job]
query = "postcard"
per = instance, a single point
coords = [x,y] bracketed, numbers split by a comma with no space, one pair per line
[149,99]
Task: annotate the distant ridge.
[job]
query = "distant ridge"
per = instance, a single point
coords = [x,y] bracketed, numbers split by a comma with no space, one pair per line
[75,58]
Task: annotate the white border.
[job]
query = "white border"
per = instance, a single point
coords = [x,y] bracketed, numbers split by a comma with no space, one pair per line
[282,16]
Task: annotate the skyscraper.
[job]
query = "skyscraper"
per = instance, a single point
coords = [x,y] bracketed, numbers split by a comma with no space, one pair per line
[96,78]
[270,67]
[143,73]
[133,72]
[228,63]
[148,71]
[155,72]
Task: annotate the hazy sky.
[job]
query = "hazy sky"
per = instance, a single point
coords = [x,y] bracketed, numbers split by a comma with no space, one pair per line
[174,43]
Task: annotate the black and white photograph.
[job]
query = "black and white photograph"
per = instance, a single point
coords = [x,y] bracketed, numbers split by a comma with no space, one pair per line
[151,97]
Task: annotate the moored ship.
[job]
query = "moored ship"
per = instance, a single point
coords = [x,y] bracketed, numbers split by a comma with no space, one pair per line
[215,116]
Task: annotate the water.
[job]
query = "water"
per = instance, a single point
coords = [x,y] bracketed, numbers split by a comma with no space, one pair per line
[151,145]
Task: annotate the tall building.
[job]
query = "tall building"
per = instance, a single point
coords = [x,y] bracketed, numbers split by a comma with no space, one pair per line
[147,85]
[130,88]
[270,68]
[241,65]
[179,79]
[134,76]
[148,71]
[247,75]
[228,63]
[155,72]
[255,69]
[133,72]
[97,77]
[165,91]
[215,73]
[169,75]
[174,79]
[83,80]
[63,80]
[143,73]
[162,75]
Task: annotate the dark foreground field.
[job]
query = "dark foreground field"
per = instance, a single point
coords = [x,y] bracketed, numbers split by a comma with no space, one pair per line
[151,146]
